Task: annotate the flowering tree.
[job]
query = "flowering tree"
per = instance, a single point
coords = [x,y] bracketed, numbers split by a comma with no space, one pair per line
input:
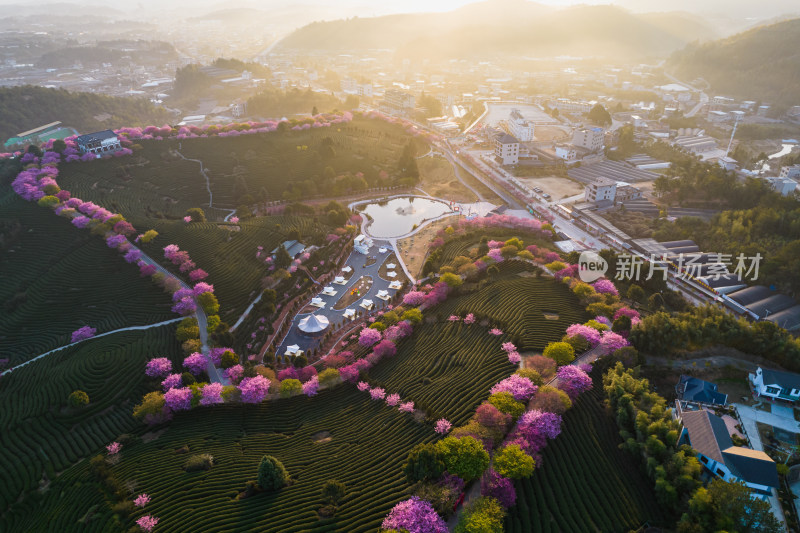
[234,373]
[369,337]
[415,516]
[158,367]
[83,333]
[442,426]
[508,347]
[407,407]
[198,274]
[141,500]
[179,399]
[604,286]
[496,332]
[521,388]
[514,357]
[147,522]
[385,348]
[393,399]
[377,393]
[573,380]
[171,381]
[496,486]
[195,363]
[146,269]
[254,389]
[311,386]
[469,319]
[541,422]
[611,341]
[234,220]
[591,335]
[133,255]
[212,394]
[202,287]
[114,448]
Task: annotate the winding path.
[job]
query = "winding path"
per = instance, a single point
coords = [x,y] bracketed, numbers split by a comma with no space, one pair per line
[203,172]
[130,328]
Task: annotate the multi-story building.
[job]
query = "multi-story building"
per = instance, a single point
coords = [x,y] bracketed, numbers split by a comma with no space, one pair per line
[99,142]
[601,190]
[791,172]
[400,100]
[506,149]
[520,127]
[589,138]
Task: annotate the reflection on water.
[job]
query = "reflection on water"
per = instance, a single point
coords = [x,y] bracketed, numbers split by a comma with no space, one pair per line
[399,215]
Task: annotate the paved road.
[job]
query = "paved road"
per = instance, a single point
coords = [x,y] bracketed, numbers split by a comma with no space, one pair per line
[356,261]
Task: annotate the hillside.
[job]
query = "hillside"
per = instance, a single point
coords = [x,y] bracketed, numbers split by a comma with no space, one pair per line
[27,107]
[760,64]
[509,26]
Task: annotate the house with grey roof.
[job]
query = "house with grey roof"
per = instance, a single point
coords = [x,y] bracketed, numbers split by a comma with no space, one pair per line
[696,390]
[776,384]
[294,248]
[708,435]
[99,142]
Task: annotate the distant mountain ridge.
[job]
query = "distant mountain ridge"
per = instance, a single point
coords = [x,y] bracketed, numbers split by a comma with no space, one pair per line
[509,26]
[760,64]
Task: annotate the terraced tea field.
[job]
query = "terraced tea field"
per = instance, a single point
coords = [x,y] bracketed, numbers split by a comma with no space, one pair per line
[58,278]
[42,438]
[586,483]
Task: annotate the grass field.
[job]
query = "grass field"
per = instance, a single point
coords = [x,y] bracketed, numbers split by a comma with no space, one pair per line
[156,183]
[41,437]
[58,278]
[585,483]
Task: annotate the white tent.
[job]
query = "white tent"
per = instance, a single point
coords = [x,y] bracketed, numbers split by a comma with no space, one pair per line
[395,285]
[391,265]
[382,250]
[349,313]
[347,269]
[383,295]
[339,280]
[292,350]
[313,324]
[367,304]
[392,274]
[328,291]
[317,302]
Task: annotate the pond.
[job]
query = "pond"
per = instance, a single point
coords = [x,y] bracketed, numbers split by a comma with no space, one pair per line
[399,215]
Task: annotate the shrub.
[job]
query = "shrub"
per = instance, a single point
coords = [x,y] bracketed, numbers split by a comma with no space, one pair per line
[209,303]
[196,214]
[578,342]
[78,398]
[228,359]
[333,491]
[560,352]
[545,366]
[187,378]
[464,457]
[505,403]
[552,400]
[290,387]
[328,376]
[272,475]
[203,461]
[424,463]
[451,279]
[152,404]
[484,515]
[531,374]
[513,463]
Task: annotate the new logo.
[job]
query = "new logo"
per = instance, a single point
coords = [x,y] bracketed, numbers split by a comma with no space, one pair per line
[591,266]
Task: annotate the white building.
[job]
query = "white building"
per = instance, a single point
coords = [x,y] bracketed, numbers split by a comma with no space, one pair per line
[566,152]
[520,127]
[400,100]
[362,244]
[718,116]
[603,189]
[776,384]
[589,138]
[353,86]
[99,142]
[506,149]
[792,172]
